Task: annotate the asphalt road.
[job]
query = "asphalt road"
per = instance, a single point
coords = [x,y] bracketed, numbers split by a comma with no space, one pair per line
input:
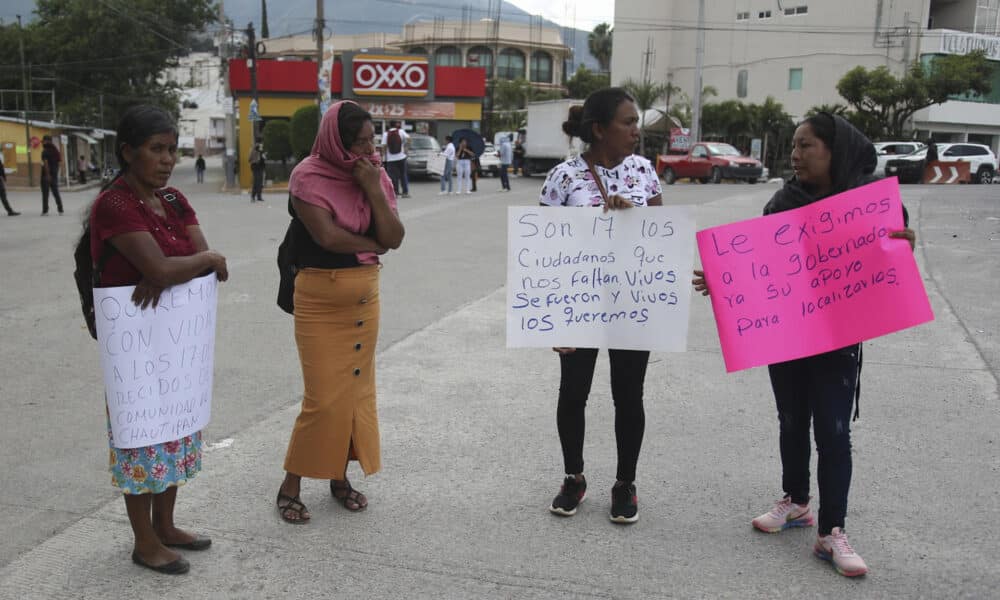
[470,450]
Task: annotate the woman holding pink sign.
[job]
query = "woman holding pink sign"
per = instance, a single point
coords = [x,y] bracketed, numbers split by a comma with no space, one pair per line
[145,234]
[829,156]
[607,174]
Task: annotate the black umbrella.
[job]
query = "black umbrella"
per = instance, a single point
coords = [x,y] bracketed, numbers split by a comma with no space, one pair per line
[472,139]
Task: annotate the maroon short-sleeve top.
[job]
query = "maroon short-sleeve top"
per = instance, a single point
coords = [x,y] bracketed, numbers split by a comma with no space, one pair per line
[119,210]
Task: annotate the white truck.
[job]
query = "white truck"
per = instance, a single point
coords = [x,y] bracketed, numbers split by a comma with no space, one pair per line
[545,144]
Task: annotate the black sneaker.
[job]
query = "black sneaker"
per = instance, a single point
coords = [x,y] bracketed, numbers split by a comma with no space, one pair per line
[624,503]
[571,494]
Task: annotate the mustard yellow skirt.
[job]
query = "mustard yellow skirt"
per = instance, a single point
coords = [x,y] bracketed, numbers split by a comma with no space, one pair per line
[336,328]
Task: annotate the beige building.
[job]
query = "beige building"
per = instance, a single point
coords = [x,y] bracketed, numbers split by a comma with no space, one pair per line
[506,51]
[797,50]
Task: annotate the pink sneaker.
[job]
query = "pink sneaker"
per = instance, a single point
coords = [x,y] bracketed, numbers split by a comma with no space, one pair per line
[836,549]
[785,514]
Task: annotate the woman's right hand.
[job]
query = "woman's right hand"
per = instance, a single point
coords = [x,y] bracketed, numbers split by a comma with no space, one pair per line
[700,285]
[367,175]
[564,350]
[218,265]
[617,202]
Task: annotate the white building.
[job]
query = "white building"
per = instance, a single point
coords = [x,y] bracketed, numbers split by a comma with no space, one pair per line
[202,120]
[797,50]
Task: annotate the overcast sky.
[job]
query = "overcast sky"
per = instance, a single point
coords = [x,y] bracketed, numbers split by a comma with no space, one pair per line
[588,12]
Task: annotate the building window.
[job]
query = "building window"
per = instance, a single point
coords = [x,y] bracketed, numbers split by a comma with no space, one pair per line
[795,79]
[418,50]
[480,56]
[448,56]
[796,10]
[741,83]
[510,64]
[541,67]
[764,14]
[743,16]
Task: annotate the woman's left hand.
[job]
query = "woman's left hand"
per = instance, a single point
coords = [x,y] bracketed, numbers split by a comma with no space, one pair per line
[617,202]
[366,174]
[906,234]
[146,294]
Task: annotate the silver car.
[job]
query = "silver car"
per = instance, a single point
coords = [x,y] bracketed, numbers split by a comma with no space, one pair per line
[419,149]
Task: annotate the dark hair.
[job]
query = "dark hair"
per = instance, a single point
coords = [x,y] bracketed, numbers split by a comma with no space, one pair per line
[137,125]
[394,124]
[350,120]
[46,138]
[447,138]
[823,127]
[599,107]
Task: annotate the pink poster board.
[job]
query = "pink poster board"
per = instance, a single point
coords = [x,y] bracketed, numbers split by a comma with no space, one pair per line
[813,279]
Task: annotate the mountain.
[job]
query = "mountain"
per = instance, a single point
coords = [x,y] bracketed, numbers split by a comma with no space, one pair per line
[286,17]
[342,16]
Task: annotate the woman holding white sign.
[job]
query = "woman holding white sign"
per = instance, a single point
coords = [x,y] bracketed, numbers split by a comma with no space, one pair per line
[607,174]
[829,156]
[346,202]
[147,235]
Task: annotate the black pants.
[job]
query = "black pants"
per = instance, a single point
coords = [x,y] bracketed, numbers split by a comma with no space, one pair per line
[256,192]
[819,389]
[628,372]
[396,170]
[3,198]
[51,184]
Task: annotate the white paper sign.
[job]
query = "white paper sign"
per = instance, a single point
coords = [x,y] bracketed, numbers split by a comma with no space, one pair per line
[583,278]
[157,363]
[435,164]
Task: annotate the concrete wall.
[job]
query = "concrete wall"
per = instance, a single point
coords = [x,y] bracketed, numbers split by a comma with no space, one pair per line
[826,42]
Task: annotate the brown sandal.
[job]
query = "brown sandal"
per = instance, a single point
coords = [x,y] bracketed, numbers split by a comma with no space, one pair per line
[293,506]
[348,496]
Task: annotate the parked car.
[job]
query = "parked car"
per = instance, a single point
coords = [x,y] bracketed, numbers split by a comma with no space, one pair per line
[887,151]
[489,161]
[709,161]
[910,168]
[419,149]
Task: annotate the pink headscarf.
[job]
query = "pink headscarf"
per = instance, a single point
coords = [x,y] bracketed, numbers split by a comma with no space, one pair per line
[325,179]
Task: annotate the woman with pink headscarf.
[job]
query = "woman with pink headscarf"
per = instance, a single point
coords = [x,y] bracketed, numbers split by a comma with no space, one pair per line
[345,201]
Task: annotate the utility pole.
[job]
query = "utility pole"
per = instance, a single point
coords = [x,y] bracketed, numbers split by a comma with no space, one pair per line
[24,87]
[229,155]
[320,26]
[252,63]
[699,61]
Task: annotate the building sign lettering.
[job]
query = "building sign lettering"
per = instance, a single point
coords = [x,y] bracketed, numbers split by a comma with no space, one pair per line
[412,111]
[391,75]
[964,43]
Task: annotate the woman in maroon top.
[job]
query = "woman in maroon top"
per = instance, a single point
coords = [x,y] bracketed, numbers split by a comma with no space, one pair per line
[148,236]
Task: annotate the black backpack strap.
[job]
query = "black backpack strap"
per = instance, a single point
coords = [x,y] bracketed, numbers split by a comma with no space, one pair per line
[171,198]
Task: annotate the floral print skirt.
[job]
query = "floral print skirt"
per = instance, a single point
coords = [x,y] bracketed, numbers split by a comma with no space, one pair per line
[154,469]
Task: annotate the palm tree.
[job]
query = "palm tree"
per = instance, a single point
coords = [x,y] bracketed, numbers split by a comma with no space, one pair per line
[646,94]
[599,44]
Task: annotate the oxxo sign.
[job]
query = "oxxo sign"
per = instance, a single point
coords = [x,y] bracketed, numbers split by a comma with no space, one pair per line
[391,75]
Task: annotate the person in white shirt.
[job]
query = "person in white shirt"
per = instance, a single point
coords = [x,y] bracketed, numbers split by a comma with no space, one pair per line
[449,164]
[394,141]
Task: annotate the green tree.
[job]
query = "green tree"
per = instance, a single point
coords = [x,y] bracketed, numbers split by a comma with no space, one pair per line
[728,120]
[303,129]
[89,51]
[887,102]
[584,81]
[599,44]
[646,94]
[277,144]
[770,122]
